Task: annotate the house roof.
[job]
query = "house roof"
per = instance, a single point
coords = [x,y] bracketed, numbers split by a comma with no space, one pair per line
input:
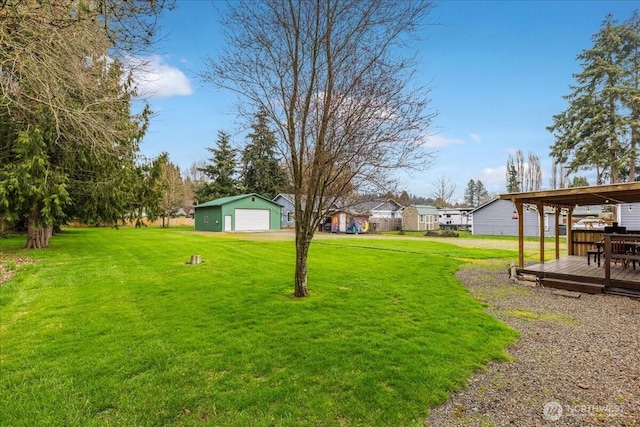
[287,196]
[224,200]
[484,204]
[584,196]
[464,209]
[426,210]
[547,208]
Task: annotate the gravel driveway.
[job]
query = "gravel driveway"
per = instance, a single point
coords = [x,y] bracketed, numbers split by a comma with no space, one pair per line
[577,362]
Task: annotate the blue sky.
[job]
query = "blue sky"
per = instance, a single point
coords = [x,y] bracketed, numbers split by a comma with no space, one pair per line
[498,69]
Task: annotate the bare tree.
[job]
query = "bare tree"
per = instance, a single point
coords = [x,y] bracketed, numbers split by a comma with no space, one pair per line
[442,191]
[532,173]
[330,76]
[194,172]
[559,174]
[521,175]
[173,191]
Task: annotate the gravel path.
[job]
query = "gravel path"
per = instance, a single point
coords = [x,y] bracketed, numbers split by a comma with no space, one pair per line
[577,362]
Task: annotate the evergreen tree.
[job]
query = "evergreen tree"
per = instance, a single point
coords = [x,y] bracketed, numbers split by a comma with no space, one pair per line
[579,181]
[470,193]
[68,140]
[261,170]
[631,95]
[221,172]
[513,186]
[404,199]
[146,189]
[599,129]
[482,195]
[475,194]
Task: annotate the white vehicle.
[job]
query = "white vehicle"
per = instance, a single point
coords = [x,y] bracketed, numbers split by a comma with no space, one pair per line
[589,224]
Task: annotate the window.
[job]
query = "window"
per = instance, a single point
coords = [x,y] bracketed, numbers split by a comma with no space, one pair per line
[289,216]
[206,219]
[421,219]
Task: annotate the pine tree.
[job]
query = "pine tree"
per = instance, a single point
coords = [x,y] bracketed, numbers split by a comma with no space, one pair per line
[631,95]
[68,140]
[579,181]
[261,170]
[475,194]
[482,195]
[470,193]
[513,186]
[221,172]
[599,128]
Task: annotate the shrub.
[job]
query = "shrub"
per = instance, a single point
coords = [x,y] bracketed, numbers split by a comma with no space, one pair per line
[441,233]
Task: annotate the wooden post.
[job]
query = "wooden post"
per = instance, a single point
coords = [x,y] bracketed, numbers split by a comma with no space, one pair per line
[195,259]
[519,210]
[570,232]
[557,226]
[607,260]
[541,226]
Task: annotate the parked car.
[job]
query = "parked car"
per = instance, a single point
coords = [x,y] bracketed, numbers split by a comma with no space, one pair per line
[589,224]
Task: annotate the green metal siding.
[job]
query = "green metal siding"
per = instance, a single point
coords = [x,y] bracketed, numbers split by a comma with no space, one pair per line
[209,218]
[216,210]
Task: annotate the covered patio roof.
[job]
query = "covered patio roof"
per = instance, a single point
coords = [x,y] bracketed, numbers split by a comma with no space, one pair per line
[568,198]
[628,192]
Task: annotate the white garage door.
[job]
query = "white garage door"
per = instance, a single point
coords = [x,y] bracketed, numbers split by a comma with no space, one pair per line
[252,219]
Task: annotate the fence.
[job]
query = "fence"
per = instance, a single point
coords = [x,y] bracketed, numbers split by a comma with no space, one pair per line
[385,224]
[170,222]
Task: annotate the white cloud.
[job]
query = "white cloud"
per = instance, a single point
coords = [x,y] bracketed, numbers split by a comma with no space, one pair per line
[156,79]
[475,137]
[494,176]
[438,141]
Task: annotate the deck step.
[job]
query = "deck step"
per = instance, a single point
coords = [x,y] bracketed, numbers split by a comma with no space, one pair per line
[571,285]
[623,292]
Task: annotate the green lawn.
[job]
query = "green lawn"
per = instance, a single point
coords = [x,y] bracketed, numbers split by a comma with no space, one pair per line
[112,327]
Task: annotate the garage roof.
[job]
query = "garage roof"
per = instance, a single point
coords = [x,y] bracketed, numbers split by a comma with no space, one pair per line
[224,200]
[628,192]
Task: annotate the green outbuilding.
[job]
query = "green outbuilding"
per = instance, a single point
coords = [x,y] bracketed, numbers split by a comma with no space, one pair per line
[246,212]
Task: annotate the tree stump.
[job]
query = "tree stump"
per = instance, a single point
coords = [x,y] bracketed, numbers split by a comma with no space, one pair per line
[195,259]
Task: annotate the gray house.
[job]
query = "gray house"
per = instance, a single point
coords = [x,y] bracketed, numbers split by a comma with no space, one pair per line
[246,212]
[499,217]
[287,214]
[628,215]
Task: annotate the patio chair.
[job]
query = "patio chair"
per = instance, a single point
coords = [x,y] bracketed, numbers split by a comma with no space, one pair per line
[619,252]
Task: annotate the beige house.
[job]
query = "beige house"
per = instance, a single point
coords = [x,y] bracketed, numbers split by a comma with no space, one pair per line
[420,218]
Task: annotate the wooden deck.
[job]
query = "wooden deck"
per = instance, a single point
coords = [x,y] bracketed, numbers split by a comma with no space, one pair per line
[573,273]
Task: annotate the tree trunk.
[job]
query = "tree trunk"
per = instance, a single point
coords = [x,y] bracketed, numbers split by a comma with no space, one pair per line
[37,234]
[302,250]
